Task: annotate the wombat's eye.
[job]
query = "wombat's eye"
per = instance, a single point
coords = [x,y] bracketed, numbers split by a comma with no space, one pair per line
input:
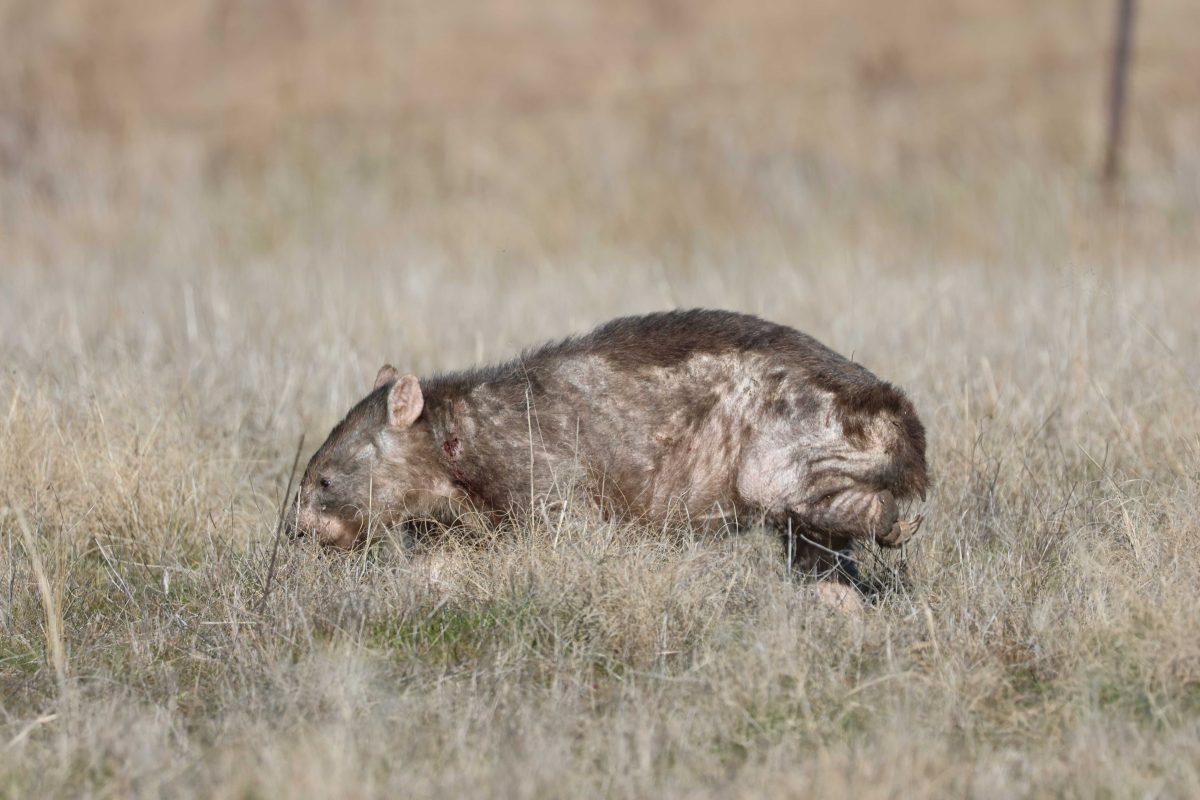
[323,483]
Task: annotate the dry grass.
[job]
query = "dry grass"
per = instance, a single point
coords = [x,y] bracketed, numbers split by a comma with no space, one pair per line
[198,263]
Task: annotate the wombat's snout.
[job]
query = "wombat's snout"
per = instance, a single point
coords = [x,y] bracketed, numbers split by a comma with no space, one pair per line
[303,520]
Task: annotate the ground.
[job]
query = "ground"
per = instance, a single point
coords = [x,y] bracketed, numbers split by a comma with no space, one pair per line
[216,225]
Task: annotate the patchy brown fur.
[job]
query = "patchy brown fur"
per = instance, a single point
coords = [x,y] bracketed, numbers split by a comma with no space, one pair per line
[709,416]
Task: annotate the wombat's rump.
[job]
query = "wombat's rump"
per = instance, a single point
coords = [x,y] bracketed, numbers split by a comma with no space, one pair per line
[709,417]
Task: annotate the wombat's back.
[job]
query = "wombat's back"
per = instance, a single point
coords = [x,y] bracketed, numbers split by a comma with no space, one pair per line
[708,412]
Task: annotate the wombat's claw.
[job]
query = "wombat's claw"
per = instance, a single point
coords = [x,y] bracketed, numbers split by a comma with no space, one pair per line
[901,532]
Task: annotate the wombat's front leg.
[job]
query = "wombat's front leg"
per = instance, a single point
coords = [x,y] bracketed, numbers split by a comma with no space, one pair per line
[830,560]
[823,556]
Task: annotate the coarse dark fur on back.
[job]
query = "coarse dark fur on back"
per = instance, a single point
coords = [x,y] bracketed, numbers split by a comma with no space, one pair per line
[666,338]
[669,337]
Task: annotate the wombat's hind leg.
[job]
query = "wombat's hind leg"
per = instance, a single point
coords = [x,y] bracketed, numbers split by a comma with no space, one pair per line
[830,562]
[826,558]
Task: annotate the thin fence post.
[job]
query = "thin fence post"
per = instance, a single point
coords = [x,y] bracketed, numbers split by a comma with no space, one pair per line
[1118,80]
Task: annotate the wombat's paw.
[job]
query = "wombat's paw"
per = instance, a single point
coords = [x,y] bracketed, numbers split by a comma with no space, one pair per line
[839,597]
[900,533]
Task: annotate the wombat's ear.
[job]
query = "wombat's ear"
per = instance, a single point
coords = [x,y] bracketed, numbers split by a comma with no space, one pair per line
[387,374]
[405,402]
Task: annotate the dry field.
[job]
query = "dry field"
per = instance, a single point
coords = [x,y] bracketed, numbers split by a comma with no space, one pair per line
[218,219]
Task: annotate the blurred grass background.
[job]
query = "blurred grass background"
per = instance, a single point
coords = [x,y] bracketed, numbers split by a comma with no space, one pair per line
[526,130]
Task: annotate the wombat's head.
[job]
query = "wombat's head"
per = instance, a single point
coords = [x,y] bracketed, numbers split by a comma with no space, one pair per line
[376,466]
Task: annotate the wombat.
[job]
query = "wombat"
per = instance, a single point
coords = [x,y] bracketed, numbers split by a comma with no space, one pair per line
[702,417]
